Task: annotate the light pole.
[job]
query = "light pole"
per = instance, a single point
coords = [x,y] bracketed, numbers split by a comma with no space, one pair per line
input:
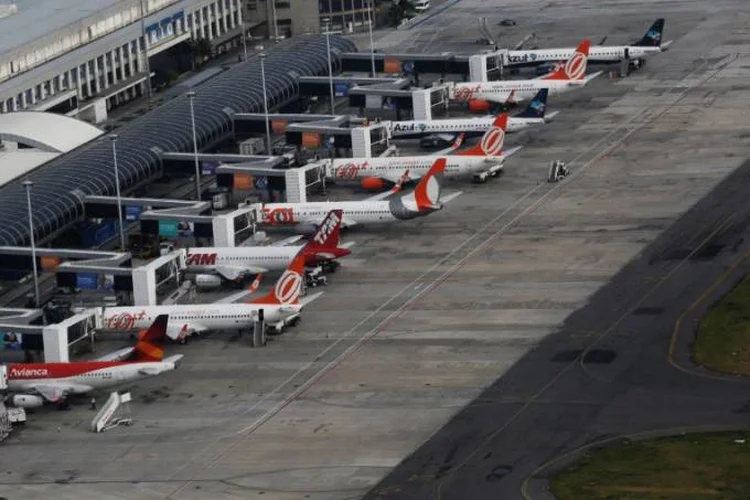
[372,45]
[263,57]
[27,185]
[244,39]
[113,138]
[191,96]
[328,50]
[145,54]
[275,24]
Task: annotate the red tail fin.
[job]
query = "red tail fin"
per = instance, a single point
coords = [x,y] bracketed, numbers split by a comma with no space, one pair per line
[492,141]
[150,346]
[427,192]
[288,287]
[328,234]
[575,67]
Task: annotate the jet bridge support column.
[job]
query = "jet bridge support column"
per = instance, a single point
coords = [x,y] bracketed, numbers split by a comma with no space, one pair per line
[259,330]
[478,68]
[421,104]
[361,144]
[296,185]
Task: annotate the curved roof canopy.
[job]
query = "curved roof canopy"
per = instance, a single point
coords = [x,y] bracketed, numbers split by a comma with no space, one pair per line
[46,131]
[60,185]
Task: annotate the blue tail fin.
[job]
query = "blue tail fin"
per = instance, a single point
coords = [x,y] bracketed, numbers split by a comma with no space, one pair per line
[652,38]
[537,106]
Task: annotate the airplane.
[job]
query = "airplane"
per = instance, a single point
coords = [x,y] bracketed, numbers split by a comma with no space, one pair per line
[215,265]
[280,307]
[565,77]
[33,384]
[424,200]
[482,161]
[648,45]
[534,114]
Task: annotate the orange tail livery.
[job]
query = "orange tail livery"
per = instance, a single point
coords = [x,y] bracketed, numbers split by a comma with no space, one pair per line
[575,67]
[288,287]
[492,141]
[150,346]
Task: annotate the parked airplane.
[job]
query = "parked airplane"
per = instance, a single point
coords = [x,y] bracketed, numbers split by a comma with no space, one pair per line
[215,265]
[281,307]
[33,384]
[483,160]
[648,45]
[424,200]
[565,77]
[534,114]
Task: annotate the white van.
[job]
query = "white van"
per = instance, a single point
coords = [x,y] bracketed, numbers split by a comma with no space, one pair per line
[421,5]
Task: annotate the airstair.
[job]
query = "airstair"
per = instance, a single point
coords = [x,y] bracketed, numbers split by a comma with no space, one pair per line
[107,418]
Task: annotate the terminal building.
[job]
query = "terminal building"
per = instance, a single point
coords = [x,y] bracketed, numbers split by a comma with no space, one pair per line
[82,58]
[301,17]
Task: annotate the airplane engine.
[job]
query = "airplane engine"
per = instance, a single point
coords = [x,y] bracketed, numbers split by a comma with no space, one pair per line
[27,401]
[207,281]
[479,106]
[375,184]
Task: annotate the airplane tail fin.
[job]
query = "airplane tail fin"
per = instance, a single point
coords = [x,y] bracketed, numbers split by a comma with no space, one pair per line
[426,196]
[150,346]
[652,38]
[537,106]
[575,67]
[491,144]
[288,287]
[326,242]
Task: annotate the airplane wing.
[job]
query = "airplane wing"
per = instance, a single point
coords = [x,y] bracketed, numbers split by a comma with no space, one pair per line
[177,331]
[56,392]
[309,298]
[665,45]
[287,241]
[592,76]
[510,152]
[550,116]
[235,272]
[459,139]
[450,197]
[244,293]
[118,355]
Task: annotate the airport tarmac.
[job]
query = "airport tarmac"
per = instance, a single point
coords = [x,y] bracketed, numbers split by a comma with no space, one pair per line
[426,314]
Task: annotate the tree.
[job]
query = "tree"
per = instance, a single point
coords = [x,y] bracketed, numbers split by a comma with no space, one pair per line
[400,10]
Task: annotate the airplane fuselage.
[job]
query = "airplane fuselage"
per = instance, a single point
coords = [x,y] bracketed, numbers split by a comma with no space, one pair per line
[208,259]
[194,317]
[81,377]
[468,126]
[396,166]
[601,54]
[518,90]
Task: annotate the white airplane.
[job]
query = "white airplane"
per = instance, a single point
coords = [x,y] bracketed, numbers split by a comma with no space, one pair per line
[424,200]
[599,54]
[566,77]
[214,265]
[534,114]
[33,384]
[279,308]
[482,161]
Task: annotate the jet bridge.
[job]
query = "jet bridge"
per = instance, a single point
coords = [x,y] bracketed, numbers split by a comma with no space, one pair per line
[420,102]
[443,64]
[54,340]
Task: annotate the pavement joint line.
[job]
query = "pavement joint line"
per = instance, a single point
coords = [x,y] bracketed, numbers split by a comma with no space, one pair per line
[570,365]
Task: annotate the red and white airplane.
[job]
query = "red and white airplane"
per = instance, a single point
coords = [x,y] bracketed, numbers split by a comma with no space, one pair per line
[483,160]
[565,77]
[214,265]
[33,384]
[424,200]
[281,307]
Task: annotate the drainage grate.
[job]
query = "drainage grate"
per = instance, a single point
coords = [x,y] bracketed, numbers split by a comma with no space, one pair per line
[599,356]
